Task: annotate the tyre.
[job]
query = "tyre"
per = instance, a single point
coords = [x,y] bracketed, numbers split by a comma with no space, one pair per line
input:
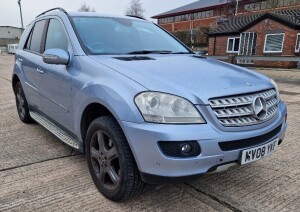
[22,105]
[110,160]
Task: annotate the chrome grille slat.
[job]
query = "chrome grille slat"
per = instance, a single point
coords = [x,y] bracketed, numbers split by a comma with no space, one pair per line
[242,111]
[240,100]
[233,111]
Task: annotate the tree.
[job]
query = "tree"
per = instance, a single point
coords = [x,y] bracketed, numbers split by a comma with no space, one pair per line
[135,8]
[85,8]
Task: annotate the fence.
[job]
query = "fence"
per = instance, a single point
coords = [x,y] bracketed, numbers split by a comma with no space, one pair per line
[234,58]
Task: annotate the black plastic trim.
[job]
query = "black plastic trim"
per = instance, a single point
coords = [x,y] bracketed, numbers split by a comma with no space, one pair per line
[249,142]
[56,8]
[135,16]
[157,180]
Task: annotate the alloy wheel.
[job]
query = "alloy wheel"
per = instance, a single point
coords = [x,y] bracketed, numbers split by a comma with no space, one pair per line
[20,102]
[105,160]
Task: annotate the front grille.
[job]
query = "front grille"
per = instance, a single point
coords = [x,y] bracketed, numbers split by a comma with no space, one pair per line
[235,111]
[248,142]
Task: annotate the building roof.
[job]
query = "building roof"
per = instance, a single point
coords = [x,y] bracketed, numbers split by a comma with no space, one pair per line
[242,22]
[198,5]
[10,27]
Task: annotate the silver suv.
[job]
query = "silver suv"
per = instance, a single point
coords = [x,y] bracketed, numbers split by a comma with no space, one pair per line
[141,105]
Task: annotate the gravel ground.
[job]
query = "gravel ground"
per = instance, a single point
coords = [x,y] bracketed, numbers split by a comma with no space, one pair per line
[39,173]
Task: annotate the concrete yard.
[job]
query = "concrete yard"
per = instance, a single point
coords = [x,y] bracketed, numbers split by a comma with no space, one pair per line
[39,173]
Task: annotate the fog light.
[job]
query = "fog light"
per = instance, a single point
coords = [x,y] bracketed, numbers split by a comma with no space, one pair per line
[180,149]
[186,148]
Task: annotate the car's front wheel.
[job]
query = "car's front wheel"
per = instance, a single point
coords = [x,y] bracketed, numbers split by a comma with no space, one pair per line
[110,160]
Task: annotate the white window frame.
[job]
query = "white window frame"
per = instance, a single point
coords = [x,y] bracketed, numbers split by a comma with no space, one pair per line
[297,49]
[281,44]
[233,38]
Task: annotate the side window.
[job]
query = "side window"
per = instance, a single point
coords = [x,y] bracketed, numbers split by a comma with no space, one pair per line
[274,43]
[56,36]
[297,47]
[37,36]
[27,46]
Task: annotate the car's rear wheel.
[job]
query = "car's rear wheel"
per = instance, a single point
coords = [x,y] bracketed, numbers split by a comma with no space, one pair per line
[110,160]
[22,105]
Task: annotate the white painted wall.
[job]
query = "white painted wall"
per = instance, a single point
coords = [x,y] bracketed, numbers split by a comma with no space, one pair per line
[10,32]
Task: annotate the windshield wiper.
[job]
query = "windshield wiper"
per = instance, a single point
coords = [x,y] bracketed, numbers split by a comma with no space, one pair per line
[182,53]
[151,52]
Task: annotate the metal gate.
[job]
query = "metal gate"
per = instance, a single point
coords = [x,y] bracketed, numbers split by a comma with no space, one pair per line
[247,46]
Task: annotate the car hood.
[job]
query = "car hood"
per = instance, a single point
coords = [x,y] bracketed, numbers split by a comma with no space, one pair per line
[195,78]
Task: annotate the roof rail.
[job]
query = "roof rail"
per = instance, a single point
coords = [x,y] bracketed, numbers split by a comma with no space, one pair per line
[56,8]
[135,16]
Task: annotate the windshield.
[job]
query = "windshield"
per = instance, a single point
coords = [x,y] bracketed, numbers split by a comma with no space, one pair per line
[102,35]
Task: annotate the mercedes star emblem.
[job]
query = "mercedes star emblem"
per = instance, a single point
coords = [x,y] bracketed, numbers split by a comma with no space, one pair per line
[260,108]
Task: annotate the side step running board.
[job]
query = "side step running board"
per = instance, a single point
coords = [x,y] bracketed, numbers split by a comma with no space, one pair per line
[55,130]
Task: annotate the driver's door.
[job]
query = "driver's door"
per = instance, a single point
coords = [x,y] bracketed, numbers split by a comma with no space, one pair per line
[55,86]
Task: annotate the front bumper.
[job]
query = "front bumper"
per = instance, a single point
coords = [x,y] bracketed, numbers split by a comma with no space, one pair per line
[153,164]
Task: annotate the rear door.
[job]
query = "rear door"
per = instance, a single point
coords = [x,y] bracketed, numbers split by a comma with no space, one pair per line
[30,59]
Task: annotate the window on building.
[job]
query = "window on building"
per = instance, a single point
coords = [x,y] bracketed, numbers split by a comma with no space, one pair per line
[199,15]
[249,7]
[186,17]
[207,14]
[294,2]
[281,3]
[297,46]
[233,44]
[274,43]
[166,20]
[287,3]
[263,5]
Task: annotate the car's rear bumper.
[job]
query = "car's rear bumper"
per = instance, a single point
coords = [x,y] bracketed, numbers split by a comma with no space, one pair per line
[156,167]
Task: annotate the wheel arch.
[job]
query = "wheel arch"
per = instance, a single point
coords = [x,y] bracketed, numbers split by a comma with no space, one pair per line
[15,80]
[90,113]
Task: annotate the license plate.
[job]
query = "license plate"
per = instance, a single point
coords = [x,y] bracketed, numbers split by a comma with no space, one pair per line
[256,153]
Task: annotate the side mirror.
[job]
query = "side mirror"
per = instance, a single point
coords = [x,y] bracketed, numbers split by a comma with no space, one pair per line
[56,57]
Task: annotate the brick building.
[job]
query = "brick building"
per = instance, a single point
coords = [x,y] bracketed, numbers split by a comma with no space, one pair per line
[264,34]
[200,13]
[208,13]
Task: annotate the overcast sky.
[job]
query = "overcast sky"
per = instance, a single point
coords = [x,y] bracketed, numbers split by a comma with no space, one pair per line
[10,15]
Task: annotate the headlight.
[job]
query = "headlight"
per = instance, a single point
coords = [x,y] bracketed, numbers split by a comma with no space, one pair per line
[166,108]
[276,88]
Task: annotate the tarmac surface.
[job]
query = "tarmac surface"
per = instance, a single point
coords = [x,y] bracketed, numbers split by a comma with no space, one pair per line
[39,173]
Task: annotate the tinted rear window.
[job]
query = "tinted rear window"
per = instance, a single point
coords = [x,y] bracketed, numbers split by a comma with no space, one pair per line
[37,35]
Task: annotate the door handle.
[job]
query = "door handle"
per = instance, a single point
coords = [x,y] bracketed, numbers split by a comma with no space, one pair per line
[20,60]
[40,71]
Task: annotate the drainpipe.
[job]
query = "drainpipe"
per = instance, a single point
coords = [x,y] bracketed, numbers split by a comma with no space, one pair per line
[192,31]
[236,7]
[215,41]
